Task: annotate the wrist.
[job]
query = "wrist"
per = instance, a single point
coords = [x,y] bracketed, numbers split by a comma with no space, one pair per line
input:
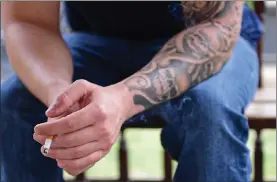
[126,100]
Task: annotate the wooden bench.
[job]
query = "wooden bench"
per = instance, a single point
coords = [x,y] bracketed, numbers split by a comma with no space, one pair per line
[261,114]
[265,95]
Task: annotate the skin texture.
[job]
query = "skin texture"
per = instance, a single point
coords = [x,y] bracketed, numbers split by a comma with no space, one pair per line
[190,57]
[87,133]
[84,136]
[34,44]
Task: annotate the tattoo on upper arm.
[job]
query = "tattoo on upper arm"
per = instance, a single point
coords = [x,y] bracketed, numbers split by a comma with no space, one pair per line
[192,56]
[200,11]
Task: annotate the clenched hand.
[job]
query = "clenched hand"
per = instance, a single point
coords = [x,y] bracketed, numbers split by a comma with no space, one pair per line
[85,136]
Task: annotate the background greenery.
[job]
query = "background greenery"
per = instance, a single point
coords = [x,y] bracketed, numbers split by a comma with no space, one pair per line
[250,4]
[145,156]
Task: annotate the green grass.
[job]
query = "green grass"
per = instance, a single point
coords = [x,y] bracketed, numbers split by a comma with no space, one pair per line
[145,156]
[250,4]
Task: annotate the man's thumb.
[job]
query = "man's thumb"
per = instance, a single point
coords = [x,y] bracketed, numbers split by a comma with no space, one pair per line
[58,107]
[68,98]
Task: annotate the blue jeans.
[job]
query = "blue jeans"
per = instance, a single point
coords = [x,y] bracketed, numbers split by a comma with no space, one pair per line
[206,130]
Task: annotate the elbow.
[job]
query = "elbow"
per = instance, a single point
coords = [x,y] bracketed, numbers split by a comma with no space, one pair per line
[233,41]
[221,60]
[226,47]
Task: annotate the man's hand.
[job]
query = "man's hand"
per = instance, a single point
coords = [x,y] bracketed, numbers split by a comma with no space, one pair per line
[83,137]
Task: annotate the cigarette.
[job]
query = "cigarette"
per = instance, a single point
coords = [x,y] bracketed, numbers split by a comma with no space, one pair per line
[47,144]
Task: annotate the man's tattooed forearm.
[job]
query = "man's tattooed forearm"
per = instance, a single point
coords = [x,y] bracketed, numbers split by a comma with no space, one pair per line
[192,56]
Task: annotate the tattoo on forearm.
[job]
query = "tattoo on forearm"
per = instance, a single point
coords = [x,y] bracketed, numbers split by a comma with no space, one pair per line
[192,56]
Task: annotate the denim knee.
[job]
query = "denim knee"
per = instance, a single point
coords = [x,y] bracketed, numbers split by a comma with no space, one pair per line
[20,112]
[214,109]
[204,112]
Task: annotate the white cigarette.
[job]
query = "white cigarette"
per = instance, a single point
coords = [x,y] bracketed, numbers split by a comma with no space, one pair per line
[47,145]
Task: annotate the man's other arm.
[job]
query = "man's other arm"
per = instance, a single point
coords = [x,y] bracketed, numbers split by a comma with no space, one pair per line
[188,58]
[35,47]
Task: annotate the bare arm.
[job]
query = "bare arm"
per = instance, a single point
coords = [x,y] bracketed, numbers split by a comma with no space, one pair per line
[190,57]
[35,47]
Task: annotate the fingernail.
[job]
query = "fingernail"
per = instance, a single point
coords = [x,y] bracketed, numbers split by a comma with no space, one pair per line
[50,110]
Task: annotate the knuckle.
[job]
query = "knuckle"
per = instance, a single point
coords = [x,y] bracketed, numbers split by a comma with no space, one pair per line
[58,141]
[94,159]
[99,155]
[101,113]
[109,140]
[77,165]
[82,82]
[67,141]
[105,131]
[108,145]
[72,172]
[69,124]
[53,153]
[77,152]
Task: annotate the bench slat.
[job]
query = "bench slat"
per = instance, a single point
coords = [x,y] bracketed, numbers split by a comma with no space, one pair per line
[261,115]
[265,95]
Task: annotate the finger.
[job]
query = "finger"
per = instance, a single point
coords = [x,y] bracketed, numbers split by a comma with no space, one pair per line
[74,93]
[73,139]
[77,172]
[76,138]
[74,152]
[72,122]
[41,139]
[78,165]
[75,107]
[79,137]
